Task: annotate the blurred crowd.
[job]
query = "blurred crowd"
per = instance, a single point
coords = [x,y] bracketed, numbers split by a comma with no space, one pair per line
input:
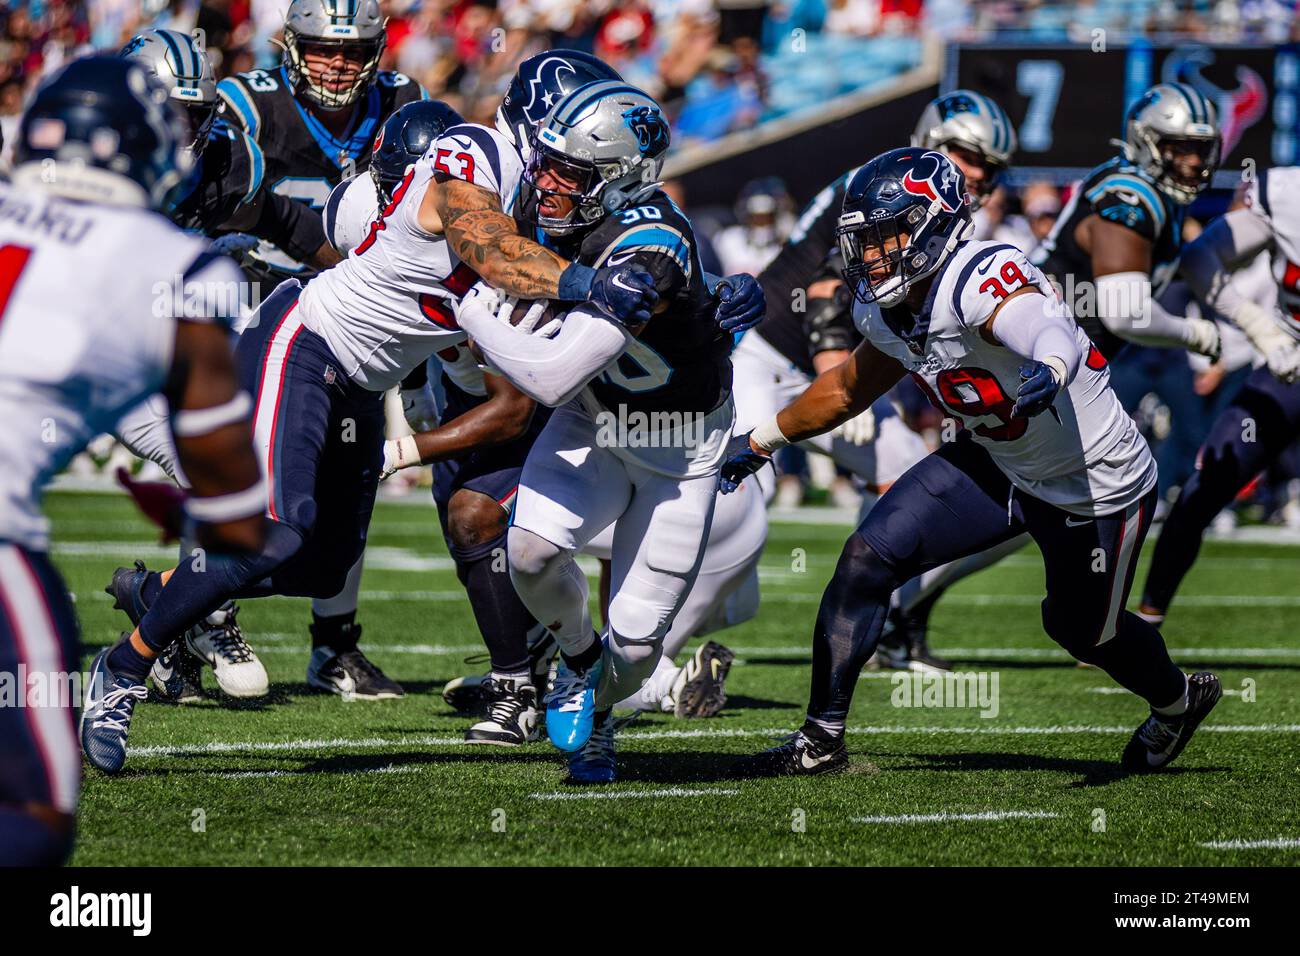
[718,66]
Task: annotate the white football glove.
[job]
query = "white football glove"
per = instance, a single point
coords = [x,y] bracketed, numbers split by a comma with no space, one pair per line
[419,408]
[1280,351]
[532,321]
[859,430]
[399,453]
[1203,338]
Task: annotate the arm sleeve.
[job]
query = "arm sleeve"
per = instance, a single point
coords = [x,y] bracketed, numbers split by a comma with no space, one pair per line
[1226,245]
[1037,327]
[550,371]
[1126,307]
[293,226]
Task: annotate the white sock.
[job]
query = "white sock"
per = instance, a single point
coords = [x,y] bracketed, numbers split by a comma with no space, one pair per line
[1178,707]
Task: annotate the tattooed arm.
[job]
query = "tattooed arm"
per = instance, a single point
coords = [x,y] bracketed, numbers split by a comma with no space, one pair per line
[488,240]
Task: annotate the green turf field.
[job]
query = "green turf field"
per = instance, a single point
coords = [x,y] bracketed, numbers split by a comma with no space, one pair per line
[309,779]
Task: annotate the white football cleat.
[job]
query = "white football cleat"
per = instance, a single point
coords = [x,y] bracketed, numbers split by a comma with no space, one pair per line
[218,641]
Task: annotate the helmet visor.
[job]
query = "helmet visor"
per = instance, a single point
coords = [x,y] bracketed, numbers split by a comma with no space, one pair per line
[559,187]
[1189,163]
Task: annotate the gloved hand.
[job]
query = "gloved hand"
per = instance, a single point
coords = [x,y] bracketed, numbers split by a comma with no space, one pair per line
[1205,338]
[1038,388]
[234,244]
[741,303]
[742,461]
[419,408]
[858,430]
[161,502]
[1280,351]
[625,293]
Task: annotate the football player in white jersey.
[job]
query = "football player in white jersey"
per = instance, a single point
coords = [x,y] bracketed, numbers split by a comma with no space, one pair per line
[1268,222]
[82,339]
[1046,449]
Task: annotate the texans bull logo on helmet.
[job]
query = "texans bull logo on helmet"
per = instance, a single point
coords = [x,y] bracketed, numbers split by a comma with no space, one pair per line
[935,178]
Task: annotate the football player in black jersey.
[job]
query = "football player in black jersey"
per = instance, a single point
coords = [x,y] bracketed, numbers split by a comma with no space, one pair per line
[1115,247]
[317,115]
[643,410]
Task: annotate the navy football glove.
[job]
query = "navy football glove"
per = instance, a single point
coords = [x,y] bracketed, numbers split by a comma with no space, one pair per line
[740,464]
[234,244]
[624,293]
[741,303]
[1038,388]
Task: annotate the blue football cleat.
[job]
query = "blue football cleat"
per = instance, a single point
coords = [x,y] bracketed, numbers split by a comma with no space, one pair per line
[571,705]
[594,761]
[106,715]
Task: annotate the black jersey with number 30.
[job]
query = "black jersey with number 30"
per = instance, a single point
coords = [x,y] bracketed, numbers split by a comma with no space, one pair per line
[304,161]
[679,361]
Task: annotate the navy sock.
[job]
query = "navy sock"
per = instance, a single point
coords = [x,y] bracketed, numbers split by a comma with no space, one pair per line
[579,663]
[502,618]
[126,661]
[338,632]
[1136,658]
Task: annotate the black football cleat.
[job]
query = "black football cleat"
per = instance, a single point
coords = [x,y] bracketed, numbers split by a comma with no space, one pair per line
[510,715]
[805,753]
[177,675]
[1161,739]
[126,589]
[351,675]
[700,688]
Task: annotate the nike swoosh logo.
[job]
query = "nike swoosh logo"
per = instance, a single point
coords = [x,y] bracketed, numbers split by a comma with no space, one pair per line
[809,764]
[611,261]
[1071,523]
[985,270]
[617,280]
[462,143]
[715,665]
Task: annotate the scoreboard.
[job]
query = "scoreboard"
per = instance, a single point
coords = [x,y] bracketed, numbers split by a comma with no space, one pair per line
[1068,101]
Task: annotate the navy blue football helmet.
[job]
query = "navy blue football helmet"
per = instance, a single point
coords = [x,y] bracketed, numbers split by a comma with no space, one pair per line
[540,82]
[403,139]
[102,130]
[904,214]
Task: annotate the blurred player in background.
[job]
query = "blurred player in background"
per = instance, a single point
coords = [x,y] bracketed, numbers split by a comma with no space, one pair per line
[98,151]
[1263,418]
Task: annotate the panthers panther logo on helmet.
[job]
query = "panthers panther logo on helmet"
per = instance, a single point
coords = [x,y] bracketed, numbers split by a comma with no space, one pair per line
[649,127]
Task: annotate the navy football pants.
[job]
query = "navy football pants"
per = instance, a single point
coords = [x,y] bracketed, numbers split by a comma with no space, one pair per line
[320,438]
[1261,421]
[956,502]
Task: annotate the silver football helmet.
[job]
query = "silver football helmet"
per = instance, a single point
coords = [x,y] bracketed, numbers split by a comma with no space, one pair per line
[355,27]
[181,64]
[601,147]
[974,122]
[1167,131]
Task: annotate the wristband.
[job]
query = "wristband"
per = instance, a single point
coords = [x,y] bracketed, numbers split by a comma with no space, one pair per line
[575,283]
[767,437]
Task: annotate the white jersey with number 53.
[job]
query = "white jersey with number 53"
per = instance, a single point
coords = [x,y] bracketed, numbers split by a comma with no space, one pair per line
[389,305]
[1085,455]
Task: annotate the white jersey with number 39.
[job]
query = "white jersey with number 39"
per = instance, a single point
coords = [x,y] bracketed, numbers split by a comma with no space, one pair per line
[1085,455]
[389,304]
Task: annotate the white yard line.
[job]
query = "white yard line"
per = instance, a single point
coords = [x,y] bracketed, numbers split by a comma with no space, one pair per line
[1277,843]
[368,743]
[259,774]
[633,794]
[987,815]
